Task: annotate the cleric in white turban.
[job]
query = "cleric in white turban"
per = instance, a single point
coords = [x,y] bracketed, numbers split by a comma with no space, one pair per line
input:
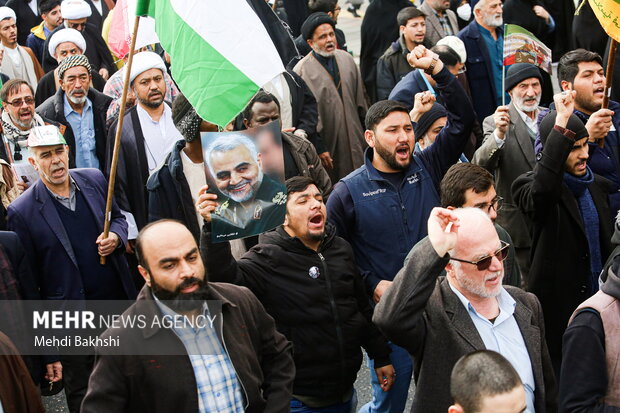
[66,36]
[144,61]
[74,9]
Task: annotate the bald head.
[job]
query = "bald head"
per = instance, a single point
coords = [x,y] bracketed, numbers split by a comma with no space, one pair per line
[159,237]
[475,228]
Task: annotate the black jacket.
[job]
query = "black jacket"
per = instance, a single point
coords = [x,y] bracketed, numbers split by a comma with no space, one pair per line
[53,109]
[26,19]
[560,263]
[392,66]
[318,302]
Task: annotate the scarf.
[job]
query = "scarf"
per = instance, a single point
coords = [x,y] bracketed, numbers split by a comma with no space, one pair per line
[578,185]
[15,135]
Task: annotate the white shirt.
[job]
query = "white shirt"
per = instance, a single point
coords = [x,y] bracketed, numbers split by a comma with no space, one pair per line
[14,55]
[196,179]
[98,6]
[529,122]
[33,6]
[159,136]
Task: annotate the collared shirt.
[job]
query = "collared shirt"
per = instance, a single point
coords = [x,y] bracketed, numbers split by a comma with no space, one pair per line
[70,201]
[504,336]
[496,54]
[445,24]
[159,136]
[531,124]
[218,388]
[83,126]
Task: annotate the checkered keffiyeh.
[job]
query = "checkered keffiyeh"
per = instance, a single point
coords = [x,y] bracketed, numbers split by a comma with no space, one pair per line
[73,61]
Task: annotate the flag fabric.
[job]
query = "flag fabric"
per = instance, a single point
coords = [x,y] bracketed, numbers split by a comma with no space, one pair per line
[521,46]
[608,12]
[119,37]
[220,51]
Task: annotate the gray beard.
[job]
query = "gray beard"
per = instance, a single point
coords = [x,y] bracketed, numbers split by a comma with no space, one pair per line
[324,53]
[77,101]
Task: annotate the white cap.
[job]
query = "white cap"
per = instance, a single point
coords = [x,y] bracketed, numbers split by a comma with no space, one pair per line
[66,35]
[457,45]
[47,135]
[144,61]
[6,13]
[74,9]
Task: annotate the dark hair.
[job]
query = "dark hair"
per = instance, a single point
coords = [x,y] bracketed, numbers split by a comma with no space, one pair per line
[407,14]
[139,248]
[481,374]
[11,87]
[326,6]
[461,177]
[568,66]
[446,54]
[380,110]
[260,97]
[299,184]
[47,6]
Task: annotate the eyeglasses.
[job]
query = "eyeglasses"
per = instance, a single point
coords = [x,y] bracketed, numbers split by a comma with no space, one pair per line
[17,103]
[496,204]
[484,263]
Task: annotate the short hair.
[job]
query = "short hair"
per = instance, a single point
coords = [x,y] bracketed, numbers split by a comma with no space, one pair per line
[228,142]
[568,66]
[407,14]
[139,248]
[380,110]
[11,87]
[47,6]
[481,374]
[326,6]
[299,184]
[446,54]
[480,4]
[260,97]
[461,177]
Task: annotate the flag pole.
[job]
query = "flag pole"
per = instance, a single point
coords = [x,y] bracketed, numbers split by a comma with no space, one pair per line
[503,71]
[610,73]
[117,137]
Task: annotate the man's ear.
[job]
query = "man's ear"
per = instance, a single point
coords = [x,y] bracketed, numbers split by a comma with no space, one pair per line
[246,123]
[566,85]
[145,274]
[456,408]
[32,162]
[401,29]
[369,135]
[310,43]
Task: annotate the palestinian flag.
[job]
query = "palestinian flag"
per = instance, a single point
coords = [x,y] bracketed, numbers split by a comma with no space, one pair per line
[220,51]
[521,46]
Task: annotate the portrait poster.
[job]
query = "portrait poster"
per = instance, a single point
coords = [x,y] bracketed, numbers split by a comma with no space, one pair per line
[245,169]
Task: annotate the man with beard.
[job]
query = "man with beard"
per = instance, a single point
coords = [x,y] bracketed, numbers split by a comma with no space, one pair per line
[306,278]
[147,136]
[441,21]
[251,201]
[18,62]
[571,224]
[582,71]
[508,149]
[81,110]
[484,43]
[59,221]
[237,363]
[381,207]
[440,319]
[335,81]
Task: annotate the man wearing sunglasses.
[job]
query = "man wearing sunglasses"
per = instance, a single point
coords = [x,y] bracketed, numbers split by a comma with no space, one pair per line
[438,319]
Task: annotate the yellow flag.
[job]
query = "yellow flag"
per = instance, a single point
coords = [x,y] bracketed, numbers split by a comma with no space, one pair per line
[608,13]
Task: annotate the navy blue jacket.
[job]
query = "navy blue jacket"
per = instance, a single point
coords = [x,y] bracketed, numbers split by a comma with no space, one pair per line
[407,87]
[479,73]
[382,222]
[35,219]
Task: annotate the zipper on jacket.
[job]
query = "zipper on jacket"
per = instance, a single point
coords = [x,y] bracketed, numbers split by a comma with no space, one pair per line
[330,294]
[245,394]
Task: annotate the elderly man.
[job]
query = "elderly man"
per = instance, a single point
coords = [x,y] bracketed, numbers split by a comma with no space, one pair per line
[50,13]
[59,221]
[392,66]
[81,110]
[484,42]
[239,363]
[305,276]
[568,206]
[508,149]
[335,81]
[147,137]
[63,43]
[75,14]
[440,21]
[250,200]
[440,319]
[18,62]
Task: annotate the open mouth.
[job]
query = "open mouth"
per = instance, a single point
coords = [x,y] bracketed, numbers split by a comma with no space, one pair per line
[329,47]
[599,91]
[238,188]
[57,173]
[190,288]
[317,221]
[403,151]
[493,280]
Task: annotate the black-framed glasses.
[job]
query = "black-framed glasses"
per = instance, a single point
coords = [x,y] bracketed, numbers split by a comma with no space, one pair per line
[17,103]
[484,263]
[496,204]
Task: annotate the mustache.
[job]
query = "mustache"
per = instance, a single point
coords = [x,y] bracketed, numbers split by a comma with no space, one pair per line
[239,185]
[188,282]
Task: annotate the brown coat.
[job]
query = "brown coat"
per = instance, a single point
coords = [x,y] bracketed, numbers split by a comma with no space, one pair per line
[339,126]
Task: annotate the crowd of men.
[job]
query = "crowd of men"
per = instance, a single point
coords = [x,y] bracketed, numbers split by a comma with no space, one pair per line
[449,216]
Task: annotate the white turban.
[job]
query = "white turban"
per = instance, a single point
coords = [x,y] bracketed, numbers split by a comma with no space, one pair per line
[144,61]
[7,12]
[74,9]
[66,35]
[457,45]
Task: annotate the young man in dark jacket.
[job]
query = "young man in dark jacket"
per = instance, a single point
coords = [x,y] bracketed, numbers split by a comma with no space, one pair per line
[306,278]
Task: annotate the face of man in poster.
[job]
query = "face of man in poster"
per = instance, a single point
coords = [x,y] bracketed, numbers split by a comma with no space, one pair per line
[237,172]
